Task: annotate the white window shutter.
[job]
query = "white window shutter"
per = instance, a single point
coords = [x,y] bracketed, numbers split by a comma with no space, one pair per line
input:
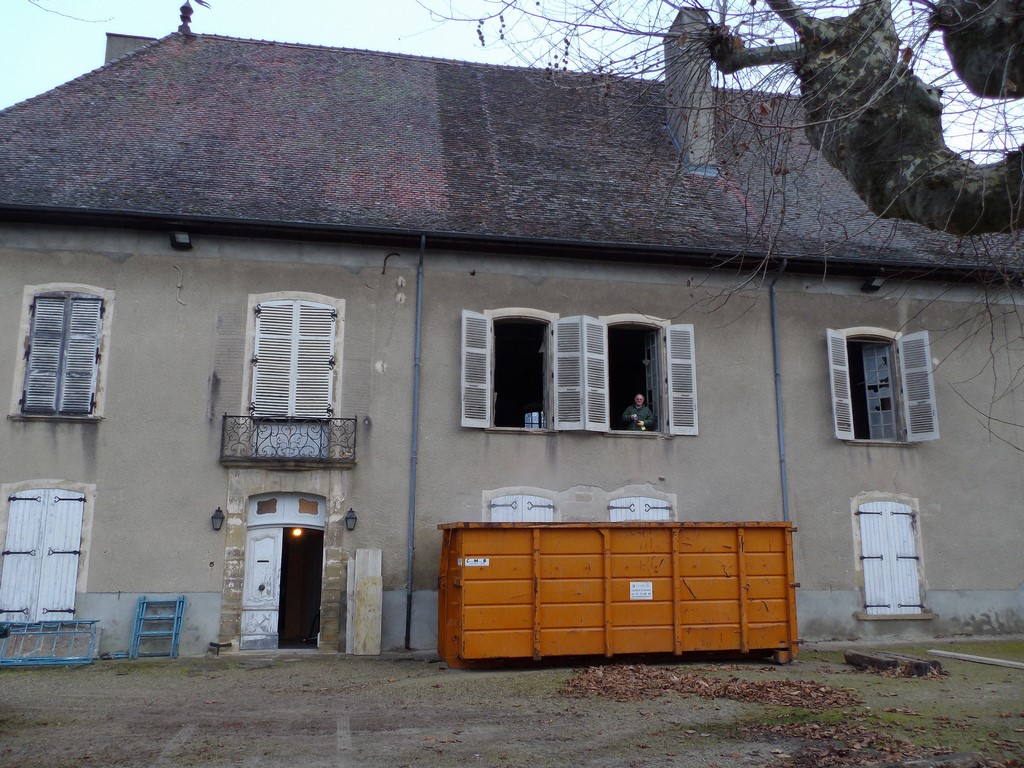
[839,383]
[314,361]
[272,359]
[521,508]
[918,383]
[80,357]
[569,390]
[19,575]
[60,550]
[892,583]
[682,380]
[43,368]
[639,508]
[878,589]
[595,365]
[477,355]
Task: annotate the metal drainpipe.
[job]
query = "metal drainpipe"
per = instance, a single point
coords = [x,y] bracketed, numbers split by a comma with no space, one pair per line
[778,394]
[413,455]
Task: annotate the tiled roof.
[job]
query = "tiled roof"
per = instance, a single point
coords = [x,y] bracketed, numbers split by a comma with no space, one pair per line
[207,126]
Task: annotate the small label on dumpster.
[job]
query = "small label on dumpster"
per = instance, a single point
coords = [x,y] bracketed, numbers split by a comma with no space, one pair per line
[477,562]
[641,590]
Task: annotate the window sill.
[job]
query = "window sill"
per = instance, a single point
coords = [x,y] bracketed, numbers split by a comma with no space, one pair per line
[645,434]
[521,431]
[882,443]
[926,616]
[64,419]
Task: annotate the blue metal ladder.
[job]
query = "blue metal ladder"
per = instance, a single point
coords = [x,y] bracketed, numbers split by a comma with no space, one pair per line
[157,627]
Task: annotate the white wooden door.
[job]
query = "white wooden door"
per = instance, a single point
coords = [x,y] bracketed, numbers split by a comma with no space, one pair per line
[40,556]
[261,592]
[889,556]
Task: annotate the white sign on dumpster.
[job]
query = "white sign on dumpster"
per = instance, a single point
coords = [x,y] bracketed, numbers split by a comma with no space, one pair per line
[641,590]
[478,562]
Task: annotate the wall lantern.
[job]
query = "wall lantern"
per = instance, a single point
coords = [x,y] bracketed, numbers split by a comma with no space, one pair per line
[181,241]
[872,284]
[217,519]
[350,519]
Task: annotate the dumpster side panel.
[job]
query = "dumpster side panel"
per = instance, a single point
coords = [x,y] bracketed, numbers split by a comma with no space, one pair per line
[525,590]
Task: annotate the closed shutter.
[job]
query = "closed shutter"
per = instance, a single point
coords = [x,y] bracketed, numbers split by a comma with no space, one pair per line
[62,537]
[918,384]
[682,380]
[43,368]
[41,555]
[890,559]
[294,360]
[595,361]
[521,508]
[477,353]
[314,361]
[80,359]
[22,556]
[839,383]
[639,508]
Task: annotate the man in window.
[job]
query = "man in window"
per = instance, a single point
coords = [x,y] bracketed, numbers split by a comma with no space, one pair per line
[638,416]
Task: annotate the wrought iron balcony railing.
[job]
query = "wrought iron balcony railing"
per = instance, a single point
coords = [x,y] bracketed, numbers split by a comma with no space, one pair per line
[288,440]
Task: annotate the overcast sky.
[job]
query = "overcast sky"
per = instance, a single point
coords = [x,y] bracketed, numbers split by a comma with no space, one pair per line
[48,42]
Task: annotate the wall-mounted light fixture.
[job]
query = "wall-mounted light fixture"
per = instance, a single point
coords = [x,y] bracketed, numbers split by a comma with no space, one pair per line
[181,241]
[217,519]
[872,284]
[350,519]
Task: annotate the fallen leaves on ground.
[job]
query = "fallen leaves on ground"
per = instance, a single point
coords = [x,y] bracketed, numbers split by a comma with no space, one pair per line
[633,682]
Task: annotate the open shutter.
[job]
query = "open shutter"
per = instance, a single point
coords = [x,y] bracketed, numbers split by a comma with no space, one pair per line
[43,367]
[477,354]
[595,362]
[839,382]
[918,384]
[81,356]
[314,361]
[22,556]
[272,361]
[682,380]
[569,373]
[60,550]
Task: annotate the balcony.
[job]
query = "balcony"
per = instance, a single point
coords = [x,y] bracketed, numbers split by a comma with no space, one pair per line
[288,442]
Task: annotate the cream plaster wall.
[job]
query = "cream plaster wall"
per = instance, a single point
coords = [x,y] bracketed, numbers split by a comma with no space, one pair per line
[177,362]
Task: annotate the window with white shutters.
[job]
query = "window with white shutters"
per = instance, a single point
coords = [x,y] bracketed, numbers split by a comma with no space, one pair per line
[293,378]
[39,561]
[594,367]
[889,558]
[521,508]
[882,389]
[62,355]
[639,509]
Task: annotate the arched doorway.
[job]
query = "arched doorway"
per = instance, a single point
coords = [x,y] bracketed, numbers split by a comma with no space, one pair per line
[284,548]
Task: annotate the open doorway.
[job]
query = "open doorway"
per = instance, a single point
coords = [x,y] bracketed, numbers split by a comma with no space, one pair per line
[302,553]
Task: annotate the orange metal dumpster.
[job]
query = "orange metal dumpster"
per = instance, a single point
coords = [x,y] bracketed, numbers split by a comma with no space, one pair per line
[539,590]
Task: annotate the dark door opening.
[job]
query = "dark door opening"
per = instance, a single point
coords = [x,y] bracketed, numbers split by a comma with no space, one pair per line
[302,556]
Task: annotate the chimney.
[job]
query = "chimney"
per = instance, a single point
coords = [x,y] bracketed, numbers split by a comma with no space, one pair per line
[122,45]
[690,100]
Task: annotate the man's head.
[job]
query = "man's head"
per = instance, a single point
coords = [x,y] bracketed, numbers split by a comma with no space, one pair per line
[638,400]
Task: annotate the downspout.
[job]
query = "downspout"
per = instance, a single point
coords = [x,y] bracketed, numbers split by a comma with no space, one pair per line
[778,393]
[413,454]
